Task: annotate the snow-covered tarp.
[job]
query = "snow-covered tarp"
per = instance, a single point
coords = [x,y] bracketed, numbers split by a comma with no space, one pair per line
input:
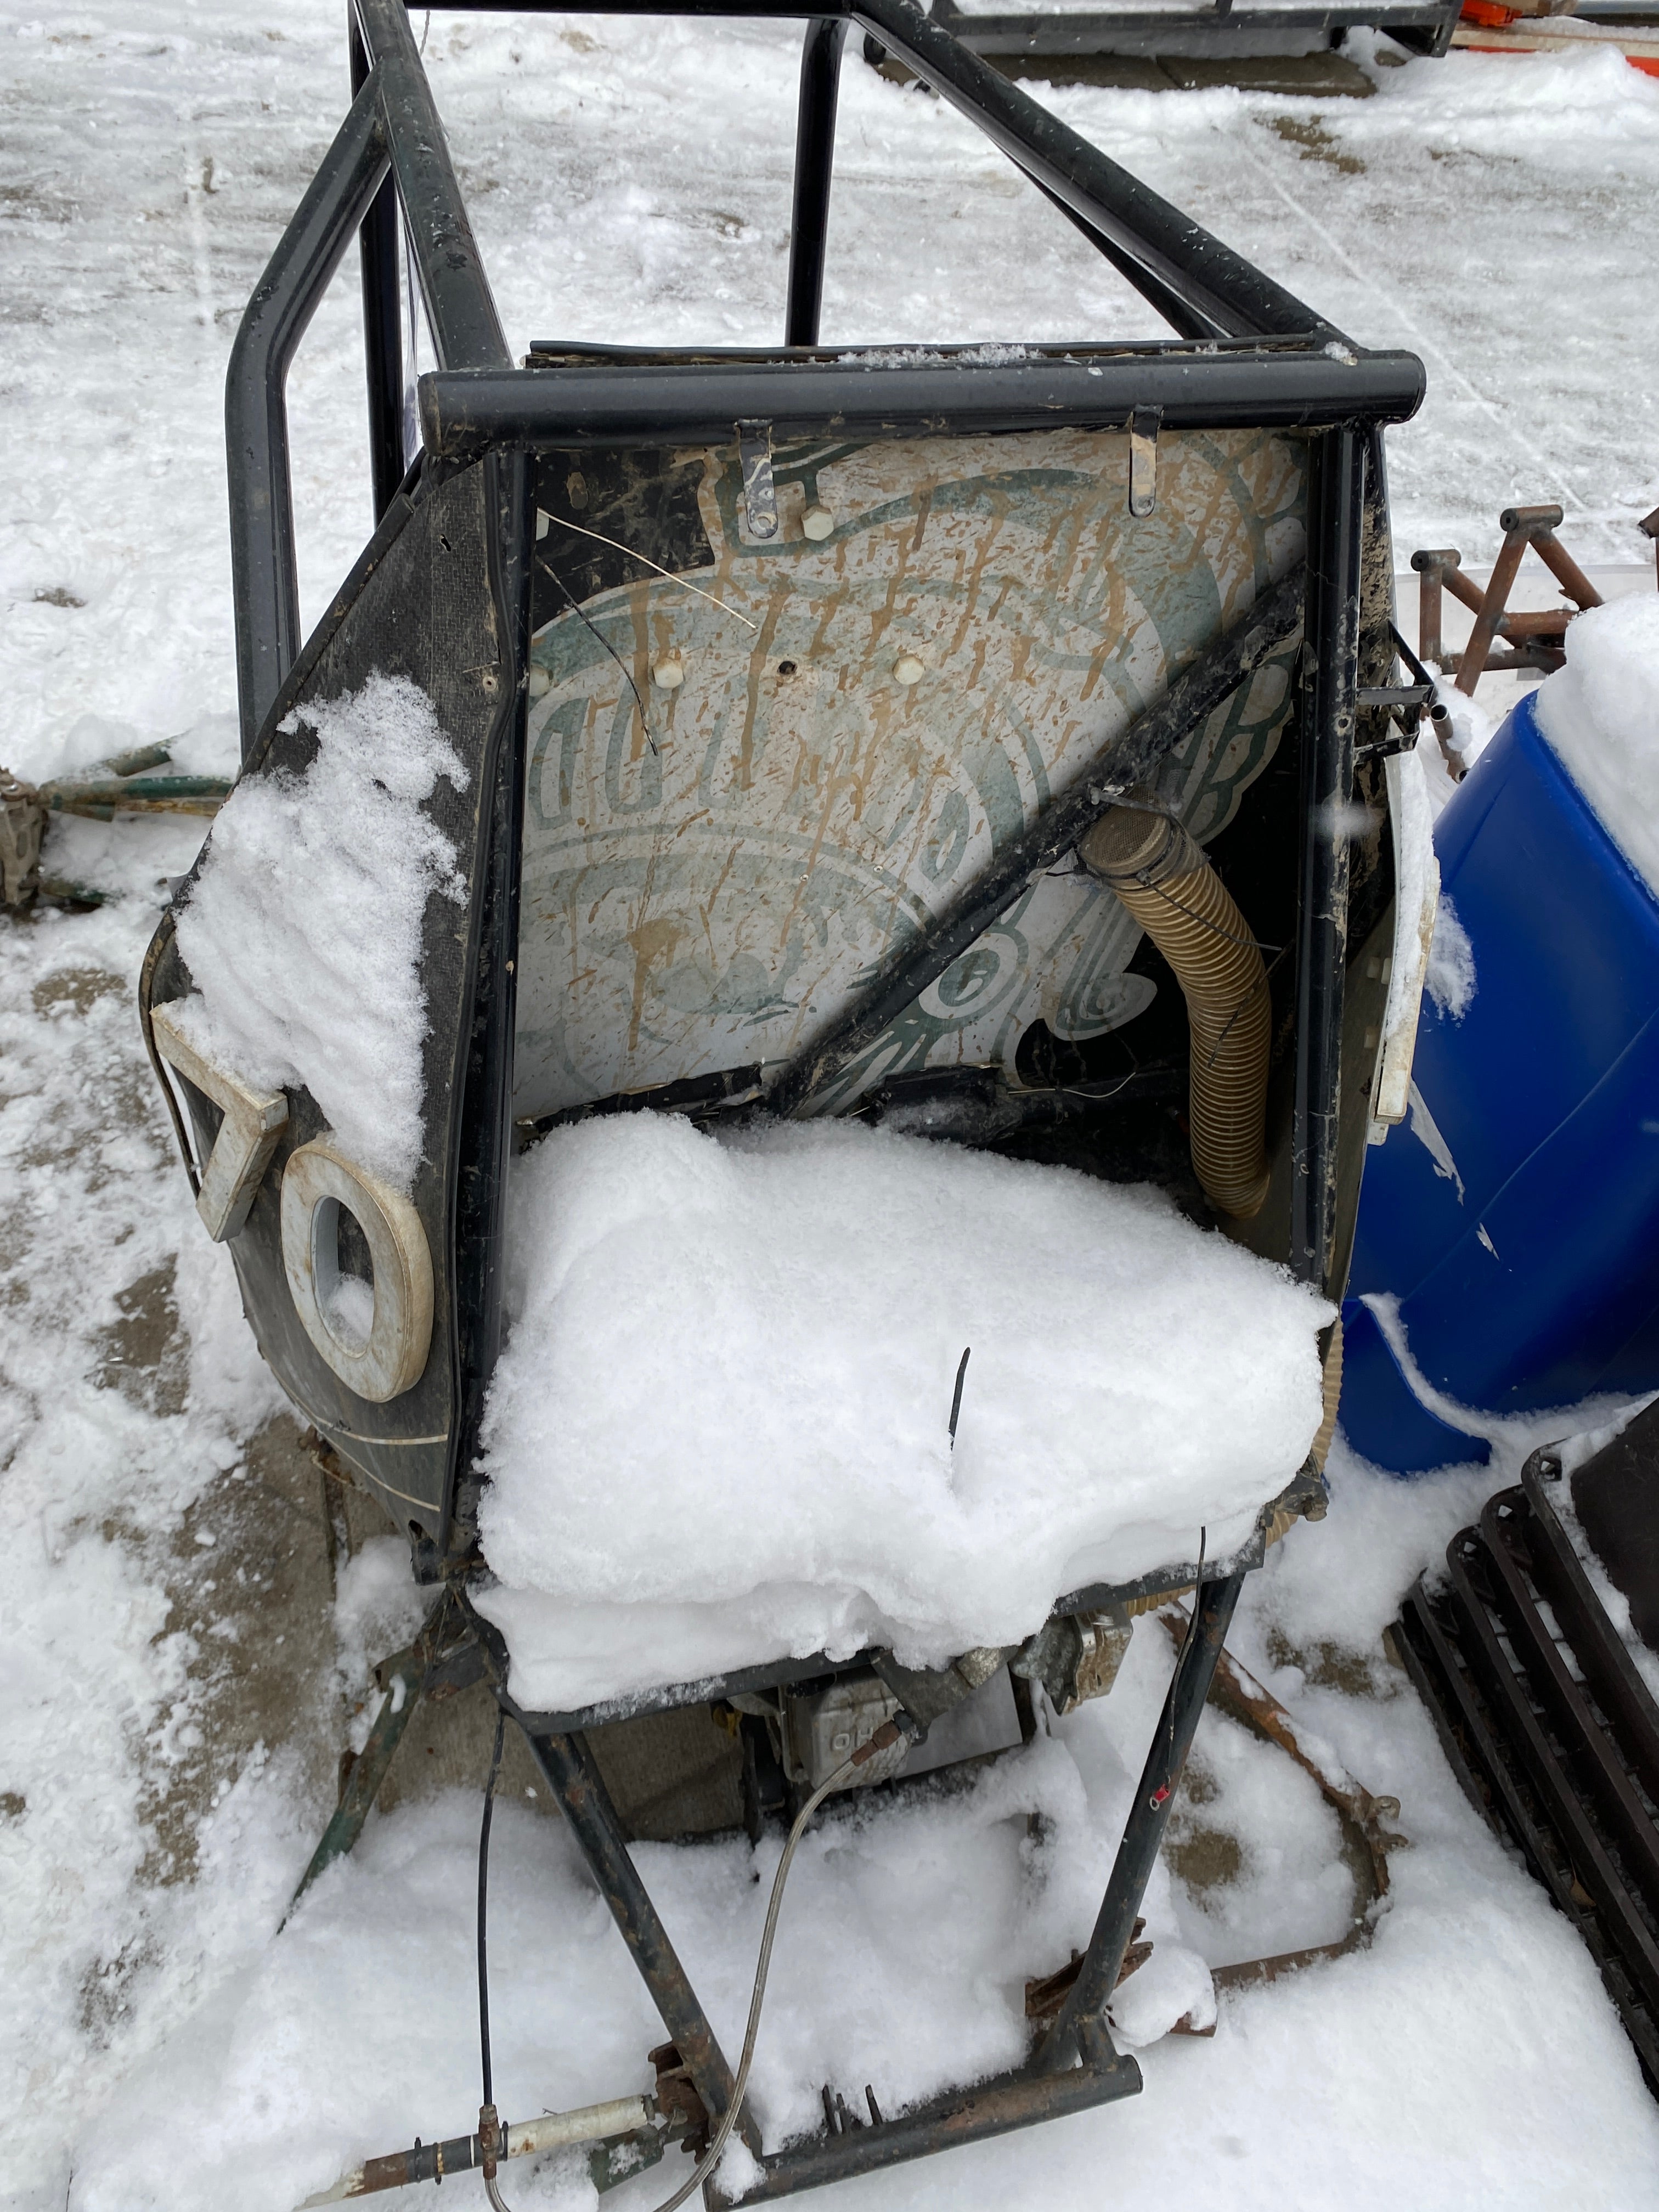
[719,1432]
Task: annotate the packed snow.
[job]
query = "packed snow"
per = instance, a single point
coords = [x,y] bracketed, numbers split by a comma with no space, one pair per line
[1451,977]
[719,1434]
[165,1759]
[1600,717]
[1417,893]
[302,932]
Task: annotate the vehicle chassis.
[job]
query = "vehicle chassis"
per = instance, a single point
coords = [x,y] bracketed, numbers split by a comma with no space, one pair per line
[1246,354]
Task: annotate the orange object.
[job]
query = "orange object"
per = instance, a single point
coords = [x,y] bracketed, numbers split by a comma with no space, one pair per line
[1488,14]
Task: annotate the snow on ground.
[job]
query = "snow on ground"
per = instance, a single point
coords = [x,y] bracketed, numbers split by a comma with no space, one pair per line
[165,1761]
[1468,2057]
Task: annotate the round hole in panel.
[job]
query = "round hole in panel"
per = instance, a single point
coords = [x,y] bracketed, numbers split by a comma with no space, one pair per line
[374,1330]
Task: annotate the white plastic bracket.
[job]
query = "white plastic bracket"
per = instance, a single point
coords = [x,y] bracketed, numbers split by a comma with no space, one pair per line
[253,1121]
[1412,819]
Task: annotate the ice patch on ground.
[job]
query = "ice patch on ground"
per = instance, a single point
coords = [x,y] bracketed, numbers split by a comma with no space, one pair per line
[1450,979]
[718,1430]
[1600,716]
[302,932]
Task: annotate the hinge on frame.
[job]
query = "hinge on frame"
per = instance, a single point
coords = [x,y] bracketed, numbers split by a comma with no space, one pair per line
[760,497]
[1144,426]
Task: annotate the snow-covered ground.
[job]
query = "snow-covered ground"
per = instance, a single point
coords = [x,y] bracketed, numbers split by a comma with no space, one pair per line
[163,1764]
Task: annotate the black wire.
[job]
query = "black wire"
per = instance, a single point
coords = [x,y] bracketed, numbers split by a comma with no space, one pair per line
[1186,1641]
[955,1402]
[1203,919]
[1250,995]
[581,617]
[483,1906]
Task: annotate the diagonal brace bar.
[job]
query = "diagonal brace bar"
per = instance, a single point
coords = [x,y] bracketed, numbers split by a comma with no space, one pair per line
[1129,758]
[568,1767]
[1082,2015]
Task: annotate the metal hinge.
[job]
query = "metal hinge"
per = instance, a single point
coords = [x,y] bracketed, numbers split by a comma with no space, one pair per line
[1144,426]
[760,497]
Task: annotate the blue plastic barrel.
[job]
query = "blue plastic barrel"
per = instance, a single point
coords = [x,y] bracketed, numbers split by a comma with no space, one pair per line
[1529,1275]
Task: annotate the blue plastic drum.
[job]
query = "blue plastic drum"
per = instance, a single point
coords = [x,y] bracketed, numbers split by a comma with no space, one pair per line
[1514,1213]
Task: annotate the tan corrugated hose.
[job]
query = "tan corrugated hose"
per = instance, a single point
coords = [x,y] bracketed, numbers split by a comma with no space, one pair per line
[1176,896]
[1320,1449]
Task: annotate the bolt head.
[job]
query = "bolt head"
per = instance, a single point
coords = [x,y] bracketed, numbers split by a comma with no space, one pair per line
[817,522]
[669,673]
[541,682]
[907,670]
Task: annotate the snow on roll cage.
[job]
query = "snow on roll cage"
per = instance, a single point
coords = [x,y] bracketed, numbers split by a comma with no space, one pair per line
[1248,356]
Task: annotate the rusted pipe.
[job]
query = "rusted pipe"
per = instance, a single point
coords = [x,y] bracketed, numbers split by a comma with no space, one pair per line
[1368,1833]
[590,2123]
[1167,884]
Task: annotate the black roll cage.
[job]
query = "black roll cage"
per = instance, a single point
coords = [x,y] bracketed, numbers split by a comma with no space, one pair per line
[1248,353]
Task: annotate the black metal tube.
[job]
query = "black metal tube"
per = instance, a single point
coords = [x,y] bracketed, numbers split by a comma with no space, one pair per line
[1335,516]
[1130,759]
[569,1768]
[1143,1836]
[1233,299]
[1168,302]
[1033,32]
[484,1126]
[382,323]
[628,404]
[1016,2100]
[1219,286]
[265,579]
[466,330]
[815,154]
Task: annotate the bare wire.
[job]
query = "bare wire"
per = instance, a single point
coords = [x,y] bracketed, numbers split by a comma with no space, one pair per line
[1186,1644]
[711,2158]
[645,723]
[582,531]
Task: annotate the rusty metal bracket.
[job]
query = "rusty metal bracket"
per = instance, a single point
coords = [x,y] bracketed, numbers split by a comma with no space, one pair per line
[1368,1830]
[1144,426]
[760,496]
[1538,637]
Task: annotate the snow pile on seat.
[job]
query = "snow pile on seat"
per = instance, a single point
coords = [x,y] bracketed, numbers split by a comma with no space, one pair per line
[718,1433]
[1600,715]
[302,932]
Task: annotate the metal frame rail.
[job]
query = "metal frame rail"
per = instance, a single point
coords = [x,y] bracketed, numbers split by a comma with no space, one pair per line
[1246,353]
[1221,27]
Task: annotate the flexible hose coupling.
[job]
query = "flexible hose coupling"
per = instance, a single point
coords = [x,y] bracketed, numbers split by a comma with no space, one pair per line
[1166,883]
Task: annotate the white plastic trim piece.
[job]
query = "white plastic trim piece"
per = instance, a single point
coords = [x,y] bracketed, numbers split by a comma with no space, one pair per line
[248,1136]
[1417,901]
[319,1178]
